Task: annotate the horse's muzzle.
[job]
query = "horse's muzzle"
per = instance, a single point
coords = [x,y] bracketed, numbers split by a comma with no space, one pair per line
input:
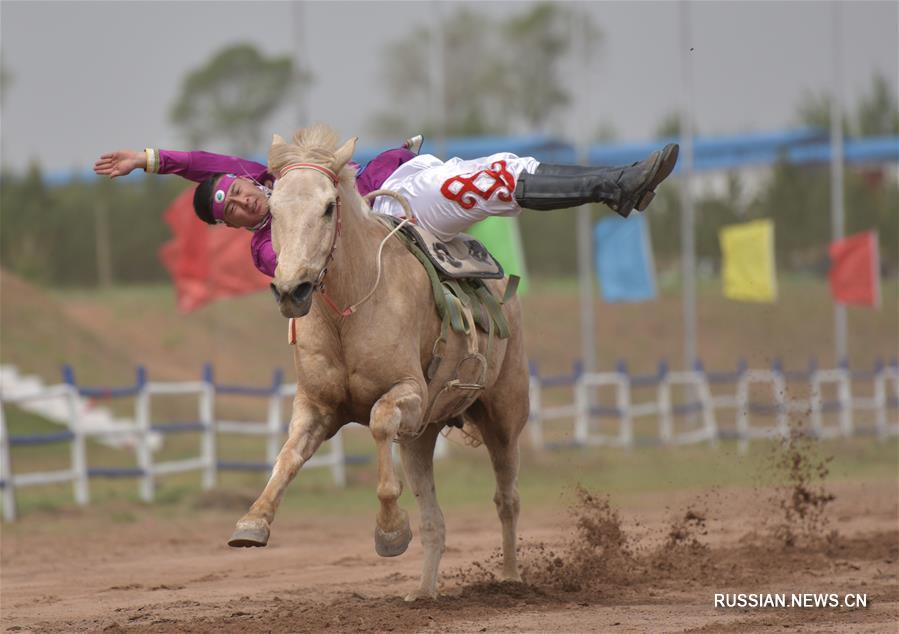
[296,302]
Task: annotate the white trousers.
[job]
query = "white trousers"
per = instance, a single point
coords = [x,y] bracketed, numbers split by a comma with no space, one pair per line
[447,198]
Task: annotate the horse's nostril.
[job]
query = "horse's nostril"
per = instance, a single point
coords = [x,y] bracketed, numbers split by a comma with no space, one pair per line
[275,292]
[301,293]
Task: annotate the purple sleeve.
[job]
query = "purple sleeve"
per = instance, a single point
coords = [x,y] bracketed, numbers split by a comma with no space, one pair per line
[197,166]
[380,168]
[263,253]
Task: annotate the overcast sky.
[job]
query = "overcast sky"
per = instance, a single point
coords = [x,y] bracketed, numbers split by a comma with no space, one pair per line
[95,76]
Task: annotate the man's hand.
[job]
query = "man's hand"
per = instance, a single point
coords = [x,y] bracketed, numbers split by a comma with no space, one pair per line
[120,163]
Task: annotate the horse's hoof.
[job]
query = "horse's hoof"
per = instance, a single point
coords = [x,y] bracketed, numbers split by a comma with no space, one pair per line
[249,534]
[393,543]
[420,594]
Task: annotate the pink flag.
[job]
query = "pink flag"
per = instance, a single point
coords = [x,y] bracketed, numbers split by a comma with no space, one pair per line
[206,262]
[855,270]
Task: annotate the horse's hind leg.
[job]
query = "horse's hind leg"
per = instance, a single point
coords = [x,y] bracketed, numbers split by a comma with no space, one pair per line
[418,463]
[500,416]
[308,428]
[504,456]
[399,408]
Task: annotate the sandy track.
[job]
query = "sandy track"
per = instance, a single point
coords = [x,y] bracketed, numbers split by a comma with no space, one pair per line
[64,573]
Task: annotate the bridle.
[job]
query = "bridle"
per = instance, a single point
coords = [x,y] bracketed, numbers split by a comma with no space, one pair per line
[320,280]
[319,284]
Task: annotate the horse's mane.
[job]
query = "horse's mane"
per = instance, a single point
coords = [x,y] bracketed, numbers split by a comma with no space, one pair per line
[315,144]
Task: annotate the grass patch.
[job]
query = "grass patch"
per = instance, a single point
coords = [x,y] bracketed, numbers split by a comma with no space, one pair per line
[465,479]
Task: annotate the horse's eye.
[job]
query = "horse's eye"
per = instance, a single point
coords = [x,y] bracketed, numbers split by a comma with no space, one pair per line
[329,210]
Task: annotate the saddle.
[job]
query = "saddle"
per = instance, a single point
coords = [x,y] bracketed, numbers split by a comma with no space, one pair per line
[463,257]
[457,270]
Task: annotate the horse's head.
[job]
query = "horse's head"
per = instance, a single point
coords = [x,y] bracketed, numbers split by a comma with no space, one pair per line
[305,212]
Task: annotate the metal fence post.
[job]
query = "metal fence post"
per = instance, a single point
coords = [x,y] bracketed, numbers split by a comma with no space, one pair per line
[582,411]
[780,398]
[144,453]
[441,447]
[338,466]
[207,418]
[535,422]
[880,402]
[742,422]
[844,395]
[709,420]
[623,402]
[9,485]
[275,417]
[666,422]
[78,448]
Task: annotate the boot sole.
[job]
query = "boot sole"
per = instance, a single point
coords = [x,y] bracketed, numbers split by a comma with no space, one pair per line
[664,167]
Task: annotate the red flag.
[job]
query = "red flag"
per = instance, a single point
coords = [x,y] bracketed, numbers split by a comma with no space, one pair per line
[855,270]
[206,262]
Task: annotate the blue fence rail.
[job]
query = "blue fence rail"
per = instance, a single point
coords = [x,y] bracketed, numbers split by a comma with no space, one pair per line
[698,418]
[144,433]
[699,415]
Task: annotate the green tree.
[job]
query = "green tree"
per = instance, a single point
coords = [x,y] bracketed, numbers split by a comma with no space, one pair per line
[6,80]
[669,126]
[497,74]
[536,42]
[814,111]
[606,132]
[878,113]
[470,87]
[231,97]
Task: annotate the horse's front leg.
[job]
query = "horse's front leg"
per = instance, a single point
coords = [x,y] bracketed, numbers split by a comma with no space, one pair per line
[309,426]
[398,408]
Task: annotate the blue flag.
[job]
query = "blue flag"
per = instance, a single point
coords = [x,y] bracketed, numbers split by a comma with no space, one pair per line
[624,262]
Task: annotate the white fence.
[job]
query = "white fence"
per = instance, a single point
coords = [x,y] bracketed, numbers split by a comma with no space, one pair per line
[143,431]
[641,410]
[605,408]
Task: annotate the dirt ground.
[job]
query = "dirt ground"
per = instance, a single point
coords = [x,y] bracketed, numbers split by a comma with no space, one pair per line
[653,564]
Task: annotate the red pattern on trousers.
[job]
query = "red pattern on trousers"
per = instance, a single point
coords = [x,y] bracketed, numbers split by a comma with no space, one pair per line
[467,191]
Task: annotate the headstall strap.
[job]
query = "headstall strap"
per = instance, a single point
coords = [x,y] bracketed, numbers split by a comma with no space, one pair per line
[320,282]
[311,166]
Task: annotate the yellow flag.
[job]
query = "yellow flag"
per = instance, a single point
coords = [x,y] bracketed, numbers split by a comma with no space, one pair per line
[748,272]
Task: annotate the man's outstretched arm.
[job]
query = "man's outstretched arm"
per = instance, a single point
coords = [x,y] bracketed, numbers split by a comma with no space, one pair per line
[195,166]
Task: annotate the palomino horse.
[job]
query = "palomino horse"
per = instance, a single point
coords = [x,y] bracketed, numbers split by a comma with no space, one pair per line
[368,365]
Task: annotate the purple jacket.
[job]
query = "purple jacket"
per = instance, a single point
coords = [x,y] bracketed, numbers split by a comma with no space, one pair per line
[198,166]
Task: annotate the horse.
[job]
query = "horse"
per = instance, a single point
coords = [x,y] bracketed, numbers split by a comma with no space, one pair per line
[369,363]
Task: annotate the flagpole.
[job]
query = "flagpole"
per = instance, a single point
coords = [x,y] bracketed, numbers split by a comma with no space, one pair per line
[688,244]
[438,78]
[299,56]
[837,195]
[584,215]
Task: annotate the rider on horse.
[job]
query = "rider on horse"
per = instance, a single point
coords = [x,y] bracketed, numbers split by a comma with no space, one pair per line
[446,197]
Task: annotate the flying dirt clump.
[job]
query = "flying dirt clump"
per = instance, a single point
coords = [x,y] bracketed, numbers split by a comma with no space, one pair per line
[682,552]
[803,498]
[597,556]
[599,552]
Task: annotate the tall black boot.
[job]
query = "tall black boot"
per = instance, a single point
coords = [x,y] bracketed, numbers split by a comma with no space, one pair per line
[621,188]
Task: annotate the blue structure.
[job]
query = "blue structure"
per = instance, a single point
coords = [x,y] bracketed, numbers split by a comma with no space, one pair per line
[716,153]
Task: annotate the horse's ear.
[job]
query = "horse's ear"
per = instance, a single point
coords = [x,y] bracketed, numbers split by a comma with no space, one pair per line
[276,153]
[344,153]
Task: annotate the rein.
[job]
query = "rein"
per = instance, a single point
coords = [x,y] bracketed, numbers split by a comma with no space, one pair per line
[320,281]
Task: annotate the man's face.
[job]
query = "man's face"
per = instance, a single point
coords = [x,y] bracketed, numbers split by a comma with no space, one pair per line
[245,204]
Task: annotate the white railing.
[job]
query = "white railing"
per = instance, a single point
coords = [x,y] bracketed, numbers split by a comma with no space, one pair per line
[143,433]
[620,398]
[700,416]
